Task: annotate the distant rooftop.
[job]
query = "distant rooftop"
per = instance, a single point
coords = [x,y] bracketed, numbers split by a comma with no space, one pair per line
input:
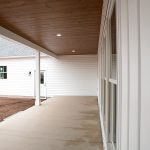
[10,48]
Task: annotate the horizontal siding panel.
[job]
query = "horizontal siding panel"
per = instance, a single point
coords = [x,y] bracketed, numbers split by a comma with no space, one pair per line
[73,75]
[68,75]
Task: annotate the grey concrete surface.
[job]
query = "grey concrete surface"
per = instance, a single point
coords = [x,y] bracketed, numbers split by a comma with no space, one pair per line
[60,123]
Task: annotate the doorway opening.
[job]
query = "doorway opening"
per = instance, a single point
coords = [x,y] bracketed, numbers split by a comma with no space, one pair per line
[43,86]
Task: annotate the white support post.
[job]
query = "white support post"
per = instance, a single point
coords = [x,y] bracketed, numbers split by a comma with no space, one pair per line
[37,101]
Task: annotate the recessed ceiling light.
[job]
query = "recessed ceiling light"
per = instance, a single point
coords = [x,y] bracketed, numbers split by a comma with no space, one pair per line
[73,51]
[58,34]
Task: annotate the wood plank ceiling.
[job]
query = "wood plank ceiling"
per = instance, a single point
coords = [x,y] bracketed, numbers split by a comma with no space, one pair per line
[40,20]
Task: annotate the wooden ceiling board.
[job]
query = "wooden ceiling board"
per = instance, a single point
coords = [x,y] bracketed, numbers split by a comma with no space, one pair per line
[40,20]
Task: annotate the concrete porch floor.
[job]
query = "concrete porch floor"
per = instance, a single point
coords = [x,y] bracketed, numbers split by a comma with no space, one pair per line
[60,123]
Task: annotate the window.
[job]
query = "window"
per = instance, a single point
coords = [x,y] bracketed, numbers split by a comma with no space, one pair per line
[113,52]
[113,81]
[103,81]
[109,79]
[3,72]
[112,112]
[42,77]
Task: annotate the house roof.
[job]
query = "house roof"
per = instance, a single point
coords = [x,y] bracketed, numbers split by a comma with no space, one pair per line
[10,48]
[39,21]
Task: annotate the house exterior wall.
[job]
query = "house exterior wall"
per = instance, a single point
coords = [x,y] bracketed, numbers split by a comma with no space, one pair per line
[133,61]
[67,75]
[72,75]
[144,78]
[18,81]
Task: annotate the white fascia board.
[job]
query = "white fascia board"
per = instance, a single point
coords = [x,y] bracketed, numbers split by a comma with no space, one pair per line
[19,57]
[12,36]
[16,57]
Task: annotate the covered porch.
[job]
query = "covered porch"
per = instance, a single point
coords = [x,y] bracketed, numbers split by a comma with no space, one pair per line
[61,123]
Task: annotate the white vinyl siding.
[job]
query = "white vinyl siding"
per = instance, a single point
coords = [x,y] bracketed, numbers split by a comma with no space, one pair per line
[18,81]
[67,75]
[145,75]
[72,75]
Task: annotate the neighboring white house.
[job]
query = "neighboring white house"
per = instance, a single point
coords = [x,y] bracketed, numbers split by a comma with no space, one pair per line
[67,75]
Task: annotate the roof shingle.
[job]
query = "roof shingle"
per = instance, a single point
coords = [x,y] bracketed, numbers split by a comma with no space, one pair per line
[10,48]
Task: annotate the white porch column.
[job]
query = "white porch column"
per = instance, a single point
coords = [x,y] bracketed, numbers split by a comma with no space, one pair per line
[37,101]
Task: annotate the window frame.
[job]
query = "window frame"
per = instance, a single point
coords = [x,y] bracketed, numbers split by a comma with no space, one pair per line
[4,68]
[112,82]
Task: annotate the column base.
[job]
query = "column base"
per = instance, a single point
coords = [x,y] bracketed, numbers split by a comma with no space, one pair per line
[37,103]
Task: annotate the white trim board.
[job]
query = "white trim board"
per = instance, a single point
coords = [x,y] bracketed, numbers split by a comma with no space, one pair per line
[103,130]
